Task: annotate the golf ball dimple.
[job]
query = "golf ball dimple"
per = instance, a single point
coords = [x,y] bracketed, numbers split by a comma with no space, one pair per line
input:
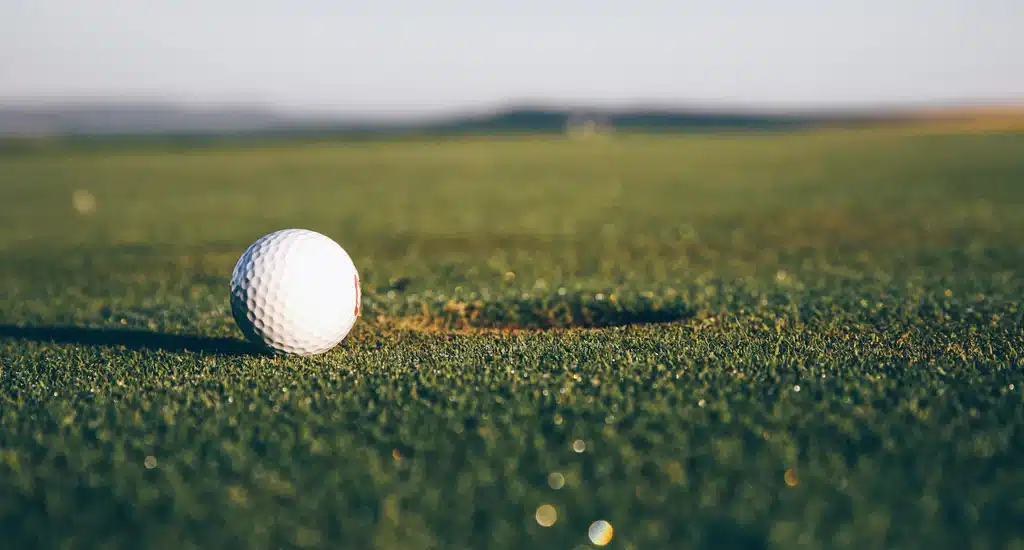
[295,291]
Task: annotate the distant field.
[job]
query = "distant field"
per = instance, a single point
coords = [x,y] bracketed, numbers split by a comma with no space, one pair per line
[807,340]
[1009,118]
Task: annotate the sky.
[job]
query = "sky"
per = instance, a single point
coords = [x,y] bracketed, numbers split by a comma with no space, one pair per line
[410,56]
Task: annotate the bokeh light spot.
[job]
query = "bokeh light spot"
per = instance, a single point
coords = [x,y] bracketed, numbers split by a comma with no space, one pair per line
[600,532]
[546,515]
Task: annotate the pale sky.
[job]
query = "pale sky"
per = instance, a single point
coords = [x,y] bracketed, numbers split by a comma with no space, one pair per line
[376,56]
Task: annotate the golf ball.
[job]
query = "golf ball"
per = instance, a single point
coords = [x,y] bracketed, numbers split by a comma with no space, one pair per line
[295,292]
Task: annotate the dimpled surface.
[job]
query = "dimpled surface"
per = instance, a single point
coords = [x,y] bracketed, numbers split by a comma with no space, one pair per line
[295,291]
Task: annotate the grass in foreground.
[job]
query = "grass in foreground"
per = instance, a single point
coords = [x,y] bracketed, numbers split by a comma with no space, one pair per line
[798,341]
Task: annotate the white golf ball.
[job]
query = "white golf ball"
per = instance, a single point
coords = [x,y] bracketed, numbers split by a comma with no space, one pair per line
[296,292]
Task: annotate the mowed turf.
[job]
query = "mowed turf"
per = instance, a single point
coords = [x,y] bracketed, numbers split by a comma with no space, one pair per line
[765,341]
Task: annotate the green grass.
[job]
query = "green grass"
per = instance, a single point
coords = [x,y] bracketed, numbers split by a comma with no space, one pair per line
[787,341]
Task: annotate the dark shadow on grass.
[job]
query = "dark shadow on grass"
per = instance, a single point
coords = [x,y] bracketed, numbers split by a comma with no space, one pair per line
[611,317]
[129,338]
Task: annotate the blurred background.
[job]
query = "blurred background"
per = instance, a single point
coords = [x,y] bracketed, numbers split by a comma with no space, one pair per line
[189,68]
